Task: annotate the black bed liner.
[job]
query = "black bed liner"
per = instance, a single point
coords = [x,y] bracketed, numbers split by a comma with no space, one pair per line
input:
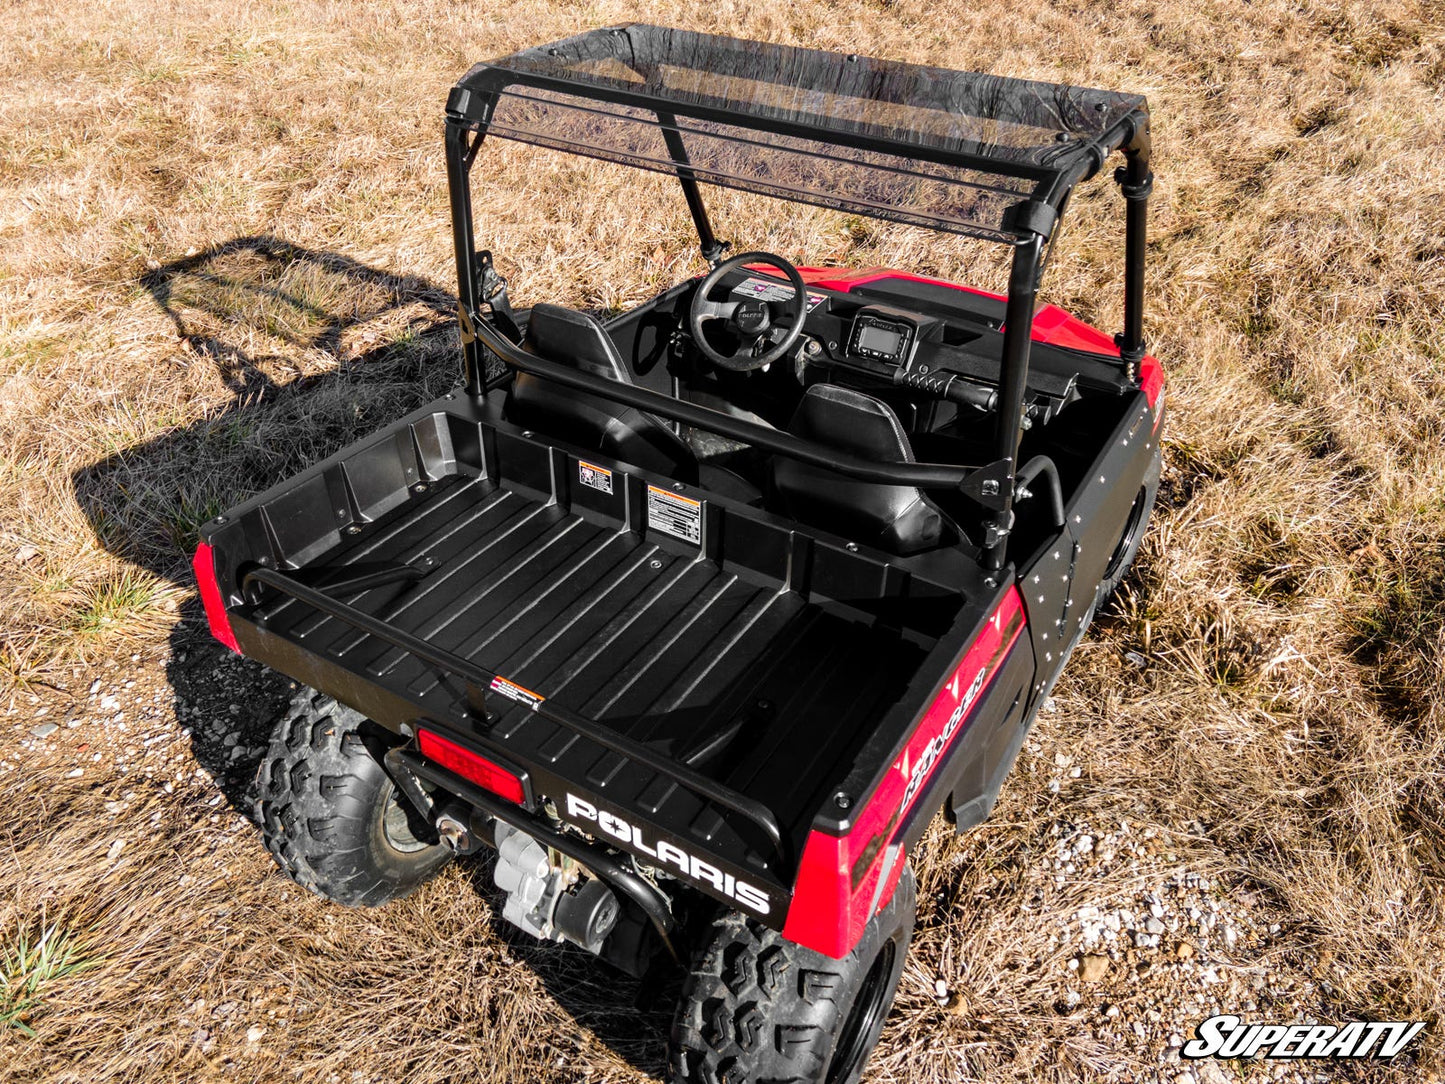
[660,647]
[767,658]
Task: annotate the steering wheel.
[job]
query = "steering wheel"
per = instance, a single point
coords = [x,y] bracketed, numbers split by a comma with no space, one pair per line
[753,319]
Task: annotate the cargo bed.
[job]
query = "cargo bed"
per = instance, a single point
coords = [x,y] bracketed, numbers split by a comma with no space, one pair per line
[722,639]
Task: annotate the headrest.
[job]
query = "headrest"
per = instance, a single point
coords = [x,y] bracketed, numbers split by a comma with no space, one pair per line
[570,337]
[847,419]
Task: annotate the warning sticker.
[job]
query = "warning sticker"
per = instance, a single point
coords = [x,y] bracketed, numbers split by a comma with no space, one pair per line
[765,289]
[598,478]
[674,514]
[512,691]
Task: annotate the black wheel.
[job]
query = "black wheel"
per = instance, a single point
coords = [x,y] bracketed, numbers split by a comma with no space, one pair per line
[757,1008]
[331,816]
[1135,528]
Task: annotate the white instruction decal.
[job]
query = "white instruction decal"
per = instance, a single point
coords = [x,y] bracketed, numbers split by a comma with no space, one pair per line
[512,691]
[772,290]
[671,513]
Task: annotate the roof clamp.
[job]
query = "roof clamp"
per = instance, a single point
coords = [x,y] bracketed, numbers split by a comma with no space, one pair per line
[1131,356]
[1131,190]
[994,533]
[714,252]
[1033,216]
[493,288]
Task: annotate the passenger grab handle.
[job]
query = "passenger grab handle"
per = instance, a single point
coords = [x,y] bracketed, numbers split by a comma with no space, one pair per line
[946,385]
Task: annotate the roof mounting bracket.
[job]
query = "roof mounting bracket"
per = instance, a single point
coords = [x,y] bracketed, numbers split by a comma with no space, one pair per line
[494,294]
[987,485]
[1133,190]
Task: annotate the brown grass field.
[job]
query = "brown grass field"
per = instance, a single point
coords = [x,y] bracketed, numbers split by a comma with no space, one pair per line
[224,253]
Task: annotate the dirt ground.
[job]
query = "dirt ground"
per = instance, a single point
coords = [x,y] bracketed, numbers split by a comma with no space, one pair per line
[224,253]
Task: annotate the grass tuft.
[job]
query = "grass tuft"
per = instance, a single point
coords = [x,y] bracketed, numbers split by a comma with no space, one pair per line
[106,606]
[32,962]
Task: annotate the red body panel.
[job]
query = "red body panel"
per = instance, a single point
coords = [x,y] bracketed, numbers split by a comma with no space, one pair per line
[837,889]
[1052,324]
[204,566]
[1151,379]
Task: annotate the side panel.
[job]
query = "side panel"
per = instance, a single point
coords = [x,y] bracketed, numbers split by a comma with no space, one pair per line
[970,782]
[841,880]
[1061,587]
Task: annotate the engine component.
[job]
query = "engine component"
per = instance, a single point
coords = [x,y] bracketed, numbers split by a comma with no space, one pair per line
[586,915]
[550,900]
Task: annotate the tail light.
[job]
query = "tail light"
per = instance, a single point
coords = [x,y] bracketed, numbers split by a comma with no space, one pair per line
[486,774]
[204,566]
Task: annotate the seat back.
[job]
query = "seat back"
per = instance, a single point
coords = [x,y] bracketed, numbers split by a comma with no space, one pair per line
[898,519]
[621,432]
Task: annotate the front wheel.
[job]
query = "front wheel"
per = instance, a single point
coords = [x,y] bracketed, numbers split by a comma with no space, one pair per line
[331,816]
[758,1008]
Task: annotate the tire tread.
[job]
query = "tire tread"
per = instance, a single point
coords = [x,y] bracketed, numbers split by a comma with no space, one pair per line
[318,782]
[759,1009]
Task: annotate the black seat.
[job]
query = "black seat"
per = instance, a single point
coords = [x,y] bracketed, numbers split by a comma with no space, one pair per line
[621,432]
[898,519]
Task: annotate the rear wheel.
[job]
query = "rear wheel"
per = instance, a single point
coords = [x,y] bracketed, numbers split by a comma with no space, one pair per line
[1135,528]
[331,816]
[758,1008]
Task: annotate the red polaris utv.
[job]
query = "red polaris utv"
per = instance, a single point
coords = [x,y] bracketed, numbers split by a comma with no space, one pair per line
[699,615]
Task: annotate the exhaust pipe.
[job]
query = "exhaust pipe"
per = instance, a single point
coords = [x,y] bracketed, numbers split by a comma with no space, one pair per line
[463,830]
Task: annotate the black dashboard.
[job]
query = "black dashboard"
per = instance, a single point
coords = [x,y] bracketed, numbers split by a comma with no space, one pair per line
[936,340]
[910,340]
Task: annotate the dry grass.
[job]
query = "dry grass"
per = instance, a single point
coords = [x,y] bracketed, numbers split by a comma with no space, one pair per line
[223,252]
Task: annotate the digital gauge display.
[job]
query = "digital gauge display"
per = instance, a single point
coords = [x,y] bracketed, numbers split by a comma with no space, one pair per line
[880,339]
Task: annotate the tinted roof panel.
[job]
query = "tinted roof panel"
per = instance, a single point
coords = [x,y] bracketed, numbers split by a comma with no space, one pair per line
[949,150]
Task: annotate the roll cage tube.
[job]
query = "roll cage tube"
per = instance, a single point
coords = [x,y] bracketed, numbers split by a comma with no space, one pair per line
[1135,181]
[461,152]
[1018,321]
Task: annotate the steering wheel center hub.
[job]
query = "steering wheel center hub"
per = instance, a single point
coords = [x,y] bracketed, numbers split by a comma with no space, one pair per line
[752,317]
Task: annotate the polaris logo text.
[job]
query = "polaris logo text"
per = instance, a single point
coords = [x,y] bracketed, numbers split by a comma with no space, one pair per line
[930,753]
[1231,1037]
[668,854]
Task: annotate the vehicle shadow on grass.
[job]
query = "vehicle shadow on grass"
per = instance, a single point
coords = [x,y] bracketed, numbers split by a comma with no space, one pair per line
[317,350]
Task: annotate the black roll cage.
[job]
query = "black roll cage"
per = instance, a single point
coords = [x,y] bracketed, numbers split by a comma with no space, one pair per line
[469,111]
